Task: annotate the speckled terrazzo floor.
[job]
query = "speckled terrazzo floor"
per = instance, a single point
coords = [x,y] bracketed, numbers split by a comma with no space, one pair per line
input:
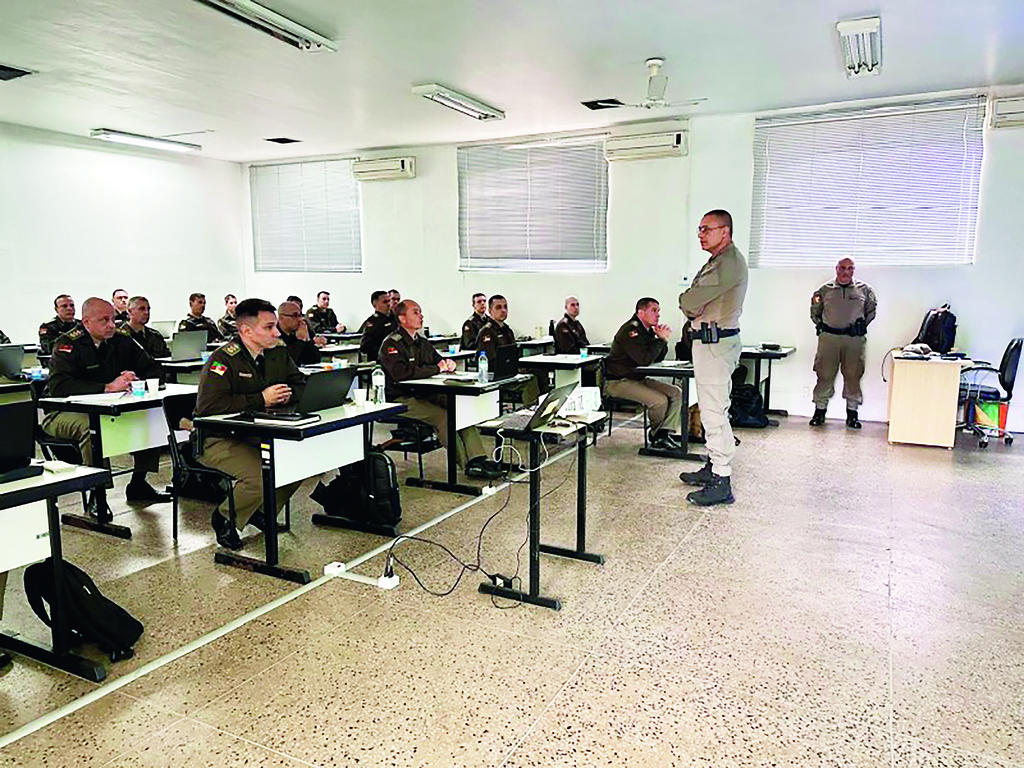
[859,605]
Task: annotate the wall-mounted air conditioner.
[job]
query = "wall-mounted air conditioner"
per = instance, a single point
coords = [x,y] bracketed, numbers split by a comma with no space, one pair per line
[645,146]
[1006,112]
[384,169]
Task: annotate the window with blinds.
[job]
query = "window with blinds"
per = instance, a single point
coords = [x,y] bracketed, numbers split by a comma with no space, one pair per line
[533,208]
[891,186]
[305,217]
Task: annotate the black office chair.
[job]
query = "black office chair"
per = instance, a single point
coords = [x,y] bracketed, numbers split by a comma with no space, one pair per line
[973,392]
[610,403]
[185,472]
[410,436]
[58,448]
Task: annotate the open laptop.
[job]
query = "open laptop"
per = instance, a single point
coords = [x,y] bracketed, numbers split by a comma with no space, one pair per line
[544,413]
[507,364]
[188,345]
[11,360]
[327,389]
[17,425]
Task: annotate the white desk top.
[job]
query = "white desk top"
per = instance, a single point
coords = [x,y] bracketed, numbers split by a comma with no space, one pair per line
[339,349]
[50,478]
[561,361]
[111,398]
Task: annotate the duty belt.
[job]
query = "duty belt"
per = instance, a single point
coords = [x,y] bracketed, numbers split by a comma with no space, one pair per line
[857,329]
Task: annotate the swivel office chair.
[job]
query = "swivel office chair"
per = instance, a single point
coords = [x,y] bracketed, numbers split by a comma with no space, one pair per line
[972,391]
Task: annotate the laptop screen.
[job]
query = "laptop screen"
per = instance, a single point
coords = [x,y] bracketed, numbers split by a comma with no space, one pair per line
[17,425]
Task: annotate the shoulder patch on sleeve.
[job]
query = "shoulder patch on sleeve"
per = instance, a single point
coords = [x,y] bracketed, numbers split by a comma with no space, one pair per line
[232,348]
[43,330]
[816,298]
[633,333]
[394,337]
[75,333]
[123,330]
[391,351]
[65,348]
[219,368]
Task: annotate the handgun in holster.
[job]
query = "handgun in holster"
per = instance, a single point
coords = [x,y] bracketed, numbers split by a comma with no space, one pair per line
[709,333]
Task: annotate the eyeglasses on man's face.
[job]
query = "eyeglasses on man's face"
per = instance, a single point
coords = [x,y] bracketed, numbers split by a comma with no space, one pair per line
[705,228]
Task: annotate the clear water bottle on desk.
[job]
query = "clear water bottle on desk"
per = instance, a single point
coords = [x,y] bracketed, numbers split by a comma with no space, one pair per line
[482,367]
[377,382]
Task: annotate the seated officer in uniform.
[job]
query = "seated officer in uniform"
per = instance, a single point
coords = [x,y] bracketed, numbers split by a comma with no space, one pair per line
[642,340]
[377,326]
[497,333]
[471,328]
[250,373]
[227,325]
[295,335]
[61,324]
[296,300]
[395,297]
[92,359]
[195,320]
[406,355]
[570,337]
[120,302]
[321,318]
[136,328]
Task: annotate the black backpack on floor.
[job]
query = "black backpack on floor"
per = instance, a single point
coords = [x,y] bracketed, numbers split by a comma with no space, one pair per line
[746,406]
[91,617]
[372,500]
[938,329]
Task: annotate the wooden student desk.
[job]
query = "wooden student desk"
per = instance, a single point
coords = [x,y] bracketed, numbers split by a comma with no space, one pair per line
[923,396]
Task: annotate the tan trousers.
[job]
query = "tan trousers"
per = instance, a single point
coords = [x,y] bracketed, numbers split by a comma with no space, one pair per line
[713,365]
[241,460]
[663,400]
[75,426]
[837,353]
[434,411]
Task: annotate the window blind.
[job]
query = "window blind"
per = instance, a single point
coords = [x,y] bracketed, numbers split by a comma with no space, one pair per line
[305,217]
[533,209]
[886,186]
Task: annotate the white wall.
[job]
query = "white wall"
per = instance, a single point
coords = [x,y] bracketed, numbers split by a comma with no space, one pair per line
[82,217]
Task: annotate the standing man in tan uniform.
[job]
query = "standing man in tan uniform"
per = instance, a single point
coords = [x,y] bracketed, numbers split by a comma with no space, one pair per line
[713,303]
[841,310]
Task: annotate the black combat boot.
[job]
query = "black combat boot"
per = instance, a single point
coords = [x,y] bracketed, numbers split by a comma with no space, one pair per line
[701,477]
[718,491]
[818,419]
[851,419]
[227,536]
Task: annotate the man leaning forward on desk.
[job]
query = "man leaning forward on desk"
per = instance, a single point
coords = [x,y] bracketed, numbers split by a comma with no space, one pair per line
[405,355]
[252,372]
[92,359]
[713,303]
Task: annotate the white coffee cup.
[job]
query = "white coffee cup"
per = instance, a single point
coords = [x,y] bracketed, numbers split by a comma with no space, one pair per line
[359,396]
[153,385]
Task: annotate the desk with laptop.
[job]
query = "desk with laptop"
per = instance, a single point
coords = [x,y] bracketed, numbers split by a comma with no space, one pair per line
[188,355]
[567,369]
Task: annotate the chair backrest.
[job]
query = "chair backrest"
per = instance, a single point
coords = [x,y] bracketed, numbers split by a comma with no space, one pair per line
[1008,366]
[176,408]
[551,327]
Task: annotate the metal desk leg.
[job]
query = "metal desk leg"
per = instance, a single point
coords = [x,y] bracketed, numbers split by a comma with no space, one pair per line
[58,656]
[270,566]
[580,553]
[102,523]
[452,484]
[533,596]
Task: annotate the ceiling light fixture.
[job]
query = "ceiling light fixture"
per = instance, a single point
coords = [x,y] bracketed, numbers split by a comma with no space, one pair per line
[151,142]
[273,24]
[861,43]
[460,102]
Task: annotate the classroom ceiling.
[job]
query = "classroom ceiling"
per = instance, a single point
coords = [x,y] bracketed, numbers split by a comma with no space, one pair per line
[164,67]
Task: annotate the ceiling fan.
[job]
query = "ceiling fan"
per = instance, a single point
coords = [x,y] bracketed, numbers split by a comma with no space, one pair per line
[656,85]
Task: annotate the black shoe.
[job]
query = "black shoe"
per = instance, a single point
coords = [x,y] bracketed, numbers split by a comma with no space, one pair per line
[227,536]
[718,491]
[5,662]
[818,419]
[851,419]
[140,490]
[482,469]
[702,477]
[258,521]
[662,441]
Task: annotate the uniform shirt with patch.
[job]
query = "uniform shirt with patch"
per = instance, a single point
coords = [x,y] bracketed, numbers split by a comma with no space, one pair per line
[570,336]
[80,367]
[227,326]
[51,330]
[404,358]
[717,292]
[321,320]
[302,351]
[492,336]
[149,339]
[201,323]
[634,345]
[375,329]
[471,329]
[233,381]
[839,306]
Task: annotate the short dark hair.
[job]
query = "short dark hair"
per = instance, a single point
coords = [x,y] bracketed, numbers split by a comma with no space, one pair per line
[116,291]
[59,297]
[402,306]
[192,297]
[645,302]
[376,295]
[136,299]
[395,290]
[249,309]
[479,294]
[723,217]
[229,296]
[494,298]
[321,293]
[296,299]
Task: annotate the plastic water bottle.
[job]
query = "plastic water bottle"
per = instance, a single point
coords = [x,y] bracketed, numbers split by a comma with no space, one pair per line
[377,380]
[482,367]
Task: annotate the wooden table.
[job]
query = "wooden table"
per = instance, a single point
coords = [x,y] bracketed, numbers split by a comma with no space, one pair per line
[923,400]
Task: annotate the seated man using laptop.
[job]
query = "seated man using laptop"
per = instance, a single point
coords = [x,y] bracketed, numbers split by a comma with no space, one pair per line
[91,359]
[405,355]
[251,373]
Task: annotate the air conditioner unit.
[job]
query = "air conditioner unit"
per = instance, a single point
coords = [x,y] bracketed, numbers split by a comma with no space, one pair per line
[1006,113]
[645,146]
[384,169]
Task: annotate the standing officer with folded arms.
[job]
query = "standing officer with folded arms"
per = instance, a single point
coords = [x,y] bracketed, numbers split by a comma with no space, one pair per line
[841,310]
[713,303]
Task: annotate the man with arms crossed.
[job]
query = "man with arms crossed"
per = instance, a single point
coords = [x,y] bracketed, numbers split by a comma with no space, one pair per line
[713,303]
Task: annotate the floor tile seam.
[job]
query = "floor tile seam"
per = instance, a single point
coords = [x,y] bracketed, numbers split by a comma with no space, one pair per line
[135,750]
[250,741]
[892,643]
[986,756]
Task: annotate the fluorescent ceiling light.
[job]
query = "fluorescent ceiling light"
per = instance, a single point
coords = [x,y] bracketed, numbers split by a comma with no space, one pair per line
[460,102]
[274,24]
[861,44]
[152,142]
